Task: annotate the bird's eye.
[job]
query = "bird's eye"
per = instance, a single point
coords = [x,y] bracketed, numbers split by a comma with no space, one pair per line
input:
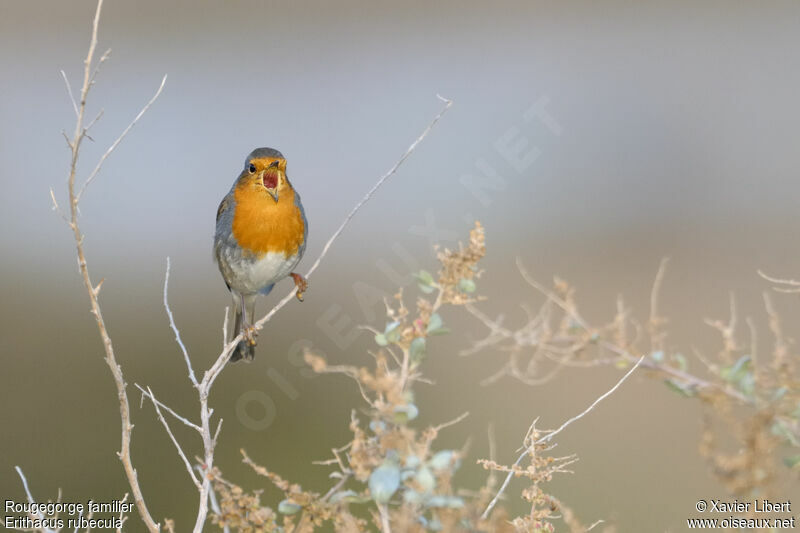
[252,168]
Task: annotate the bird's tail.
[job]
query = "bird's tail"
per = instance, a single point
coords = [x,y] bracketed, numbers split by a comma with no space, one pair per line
[246,349]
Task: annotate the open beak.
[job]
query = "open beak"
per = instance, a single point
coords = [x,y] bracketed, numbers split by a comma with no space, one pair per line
[273,192]
[270,179]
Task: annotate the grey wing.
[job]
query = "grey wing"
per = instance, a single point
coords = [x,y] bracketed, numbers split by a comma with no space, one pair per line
[224,224]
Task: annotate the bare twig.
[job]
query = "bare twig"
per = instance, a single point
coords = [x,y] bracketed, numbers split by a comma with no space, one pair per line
[74,198]
[69,92]
[552,434]
[114,145]
[30,496]
[526,337]
[452,422]
[358,206]
[215,505]
[204,387]
[657,334]
[172,325]
[790,286]
[56,207]
[552,296]
[185,421]
[122,517]
[172,437]
[384,512]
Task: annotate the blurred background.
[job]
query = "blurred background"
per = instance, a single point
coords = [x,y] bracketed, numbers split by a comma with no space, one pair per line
[591,140]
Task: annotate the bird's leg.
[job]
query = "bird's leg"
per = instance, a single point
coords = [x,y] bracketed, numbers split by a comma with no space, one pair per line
[248,330]
[301,284]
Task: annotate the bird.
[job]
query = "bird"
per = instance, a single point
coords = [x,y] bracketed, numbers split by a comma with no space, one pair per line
[259,240]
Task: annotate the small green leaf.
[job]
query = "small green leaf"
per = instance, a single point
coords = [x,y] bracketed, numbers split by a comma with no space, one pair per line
[404,413]
[657,356]
[443,460]
[412,461]
[436,326]
[391,326]
[424,277]
[425,479]
[683,390]
[425,281]
[380,340]
[417,350]
[452,502]
[779,393]
[384,482]
[392,332]
[466,285]
[413,497]
[435,322]
[348,496]
[288,507]
[737,371]
[747,384]
[792,462]
[780,429]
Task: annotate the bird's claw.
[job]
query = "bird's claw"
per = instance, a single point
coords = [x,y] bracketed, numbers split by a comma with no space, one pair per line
[301,283]
[249,334]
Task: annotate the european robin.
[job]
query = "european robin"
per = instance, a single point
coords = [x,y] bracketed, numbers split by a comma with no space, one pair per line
[260,238]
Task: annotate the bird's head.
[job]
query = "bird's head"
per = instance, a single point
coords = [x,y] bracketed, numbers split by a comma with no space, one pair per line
[265,169]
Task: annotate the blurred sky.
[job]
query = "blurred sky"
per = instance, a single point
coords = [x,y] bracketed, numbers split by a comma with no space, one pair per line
[641,130]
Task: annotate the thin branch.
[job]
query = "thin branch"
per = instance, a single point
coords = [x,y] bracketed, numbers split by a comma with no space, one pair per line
[30,496]
[657,335]
[122,517]
[215,505]
[453,422]
[779,280]
[358,206]
[95,119]
[498,334]
[690,380]
[791,286]
[56,207]
[552,434]
[124,408]
[114,145]
[656,290]
[384,512]
[175,330]
[333,490]
[552,296]
[172,437]
[185,421]
[549,436]
[210,375]
[69,92]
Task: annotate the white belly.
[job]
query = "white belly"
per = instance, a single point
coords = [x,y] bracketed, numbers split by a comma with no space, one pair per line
[251,275]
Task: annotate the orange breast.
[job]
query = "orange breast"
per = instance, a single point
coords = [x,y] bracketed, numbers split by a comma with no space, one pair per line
[261,225]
